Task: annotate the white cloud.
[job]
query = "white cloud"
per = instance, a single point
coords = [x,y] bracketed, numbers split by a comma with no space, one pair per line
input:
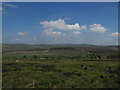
[10,5]
[22,33]
[7,5]
[60,24]
[84,27]
[17,39]
[76,32]
[34,38]
[51,32]
[50,27]
[97,28]
[115,34]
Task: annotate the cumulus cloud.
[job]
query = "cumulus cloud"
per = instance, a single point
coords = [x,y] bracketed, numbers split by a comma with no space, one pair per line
[18,39]
[115,34]
[60,24]
[97,28]
[10,5]
[22,33]
[51,32]
[76,32]
[84,27]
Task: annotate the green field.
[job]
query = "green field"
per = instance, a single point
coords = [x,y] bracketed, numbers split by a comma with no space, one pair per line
[60,66]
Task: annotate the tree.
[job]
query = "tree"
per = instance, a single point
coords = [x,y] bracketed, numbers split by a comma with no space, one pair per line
[35,56]
[24,56]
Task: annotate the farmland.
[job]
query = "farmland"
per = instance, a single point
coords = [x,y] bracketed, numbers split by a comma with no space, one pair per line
[60,66]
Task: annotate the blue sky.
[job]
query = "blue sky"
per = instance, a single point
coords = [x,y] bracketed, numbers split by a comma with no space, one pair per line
[60,23]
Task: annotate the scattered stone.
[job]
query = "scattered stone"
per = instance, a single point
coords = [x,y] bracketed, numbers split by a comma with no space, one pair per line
[17,60]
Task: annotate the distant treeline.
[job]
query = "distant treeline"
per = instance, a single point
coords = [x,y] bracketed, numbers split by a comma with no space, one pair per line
[66,48]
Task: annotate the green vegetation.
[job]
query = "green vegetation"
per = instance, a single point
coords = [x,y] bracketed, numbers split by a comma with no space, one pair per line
[60,66]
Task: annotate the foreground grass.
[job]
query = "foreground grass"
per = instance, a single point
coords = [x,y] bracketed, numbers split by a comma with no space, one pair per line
[59,73]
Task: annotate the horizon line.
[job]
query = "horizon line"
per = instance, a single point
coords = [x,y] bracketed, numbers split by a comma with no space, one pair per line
[66,44]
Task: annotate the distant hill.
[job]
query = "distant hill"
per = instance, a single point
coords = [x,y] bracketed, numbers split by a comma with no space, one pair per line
[47,46]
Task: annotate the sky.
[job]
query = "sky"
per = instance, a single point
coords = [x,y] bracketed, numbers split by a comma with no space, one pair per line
[60,23]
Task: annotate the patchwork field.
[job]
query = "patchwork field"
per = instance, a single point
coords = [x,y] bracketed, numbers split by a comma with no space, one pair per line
[60,66]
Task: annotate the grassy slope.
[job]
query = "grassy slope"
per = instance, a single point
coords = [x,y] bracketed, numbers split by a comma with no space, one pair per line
[60,71]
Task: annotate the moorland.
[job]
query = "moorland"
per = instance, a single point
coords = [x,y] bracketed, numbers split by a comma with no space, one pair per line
[60,66]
